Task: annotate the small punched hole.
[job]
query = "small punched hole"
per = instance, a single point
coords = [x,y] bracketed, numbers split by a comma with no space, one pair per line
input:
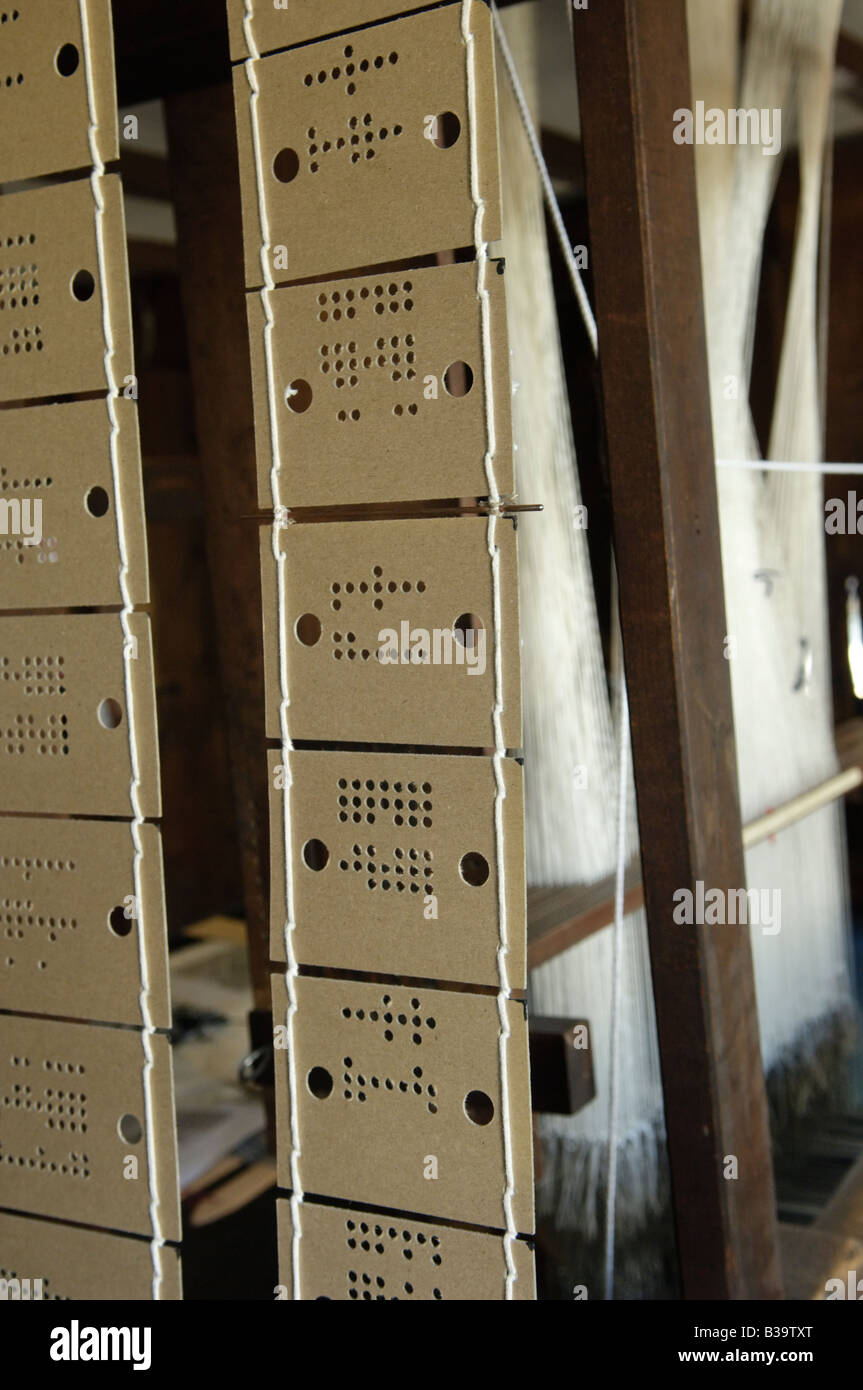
[286,166]
[474,869]
[298,397]
[458,380]
[110,714]
[97,501]
[130,1130]
[319,1082]
[479,1108]
[447,130]
[83,286]
[67,60]
[316,855]
[308,629]
[118,922]
[466,629]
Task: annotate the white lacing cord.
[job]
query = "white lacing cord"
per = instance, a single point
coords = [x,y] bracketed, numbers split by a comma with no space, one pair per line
[280,519]
[616,982]
[148,1030]
[504,995]
[547,187]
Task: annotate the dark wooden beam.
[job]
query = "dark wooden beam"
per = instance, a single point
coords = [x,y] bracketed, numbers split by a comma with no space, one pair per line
[205,173]
[558,918]
[561,1066]
[849,53]
[633,70]
[167,46]
[148,259]
[564,159]
[145,175]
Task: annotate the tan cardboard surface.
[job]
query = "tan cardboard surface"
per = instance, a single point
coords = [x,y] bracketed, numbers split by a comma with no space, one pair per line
[84,1265]
[60,678]
[381,846]
[45,105]
[366,1256]
[52,340]
[304,20]
[351,178]
[429,574]
[367,408]
[384,1076]
[65,1091]
[60,456]
[67,947]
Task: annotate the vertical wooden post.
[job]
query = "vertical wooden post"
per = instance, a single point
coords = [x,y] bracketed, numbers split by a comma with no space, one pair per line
[205,177]
[633,70]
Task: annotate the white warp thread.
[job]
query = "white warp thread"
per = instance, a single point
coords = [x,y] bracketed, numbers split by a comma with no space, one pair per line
[569,730]
[504,992]
[129,648]
[771,514]
[545,178]
[280,518]
[617,985]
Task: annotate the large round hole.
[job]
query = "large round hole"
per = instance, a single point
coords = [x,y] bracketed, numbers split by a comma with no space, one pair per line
[129,1129]
[286,165]
[308,629]
[474,869]
[316,855]
[67,60]
[97,501]
[466,630]
[118,922]
[110,714]
[447,130]
[479,1108]
[83,286]
[319,1082]
[298,397]
[458,379]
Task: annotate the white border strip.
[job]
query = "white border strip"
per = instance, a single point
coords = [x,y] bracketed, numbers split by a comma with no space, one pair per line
[504,995]
[148,1031]
[281,518]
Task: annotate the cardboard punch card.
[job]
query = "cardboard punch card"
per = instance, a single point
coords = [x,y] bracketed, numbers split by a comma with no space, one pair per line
[392,632]
[346,122]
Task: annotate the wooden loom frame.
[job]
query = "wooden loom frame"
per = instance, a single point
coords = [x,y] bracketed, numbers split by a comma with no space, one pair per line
[643,221]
